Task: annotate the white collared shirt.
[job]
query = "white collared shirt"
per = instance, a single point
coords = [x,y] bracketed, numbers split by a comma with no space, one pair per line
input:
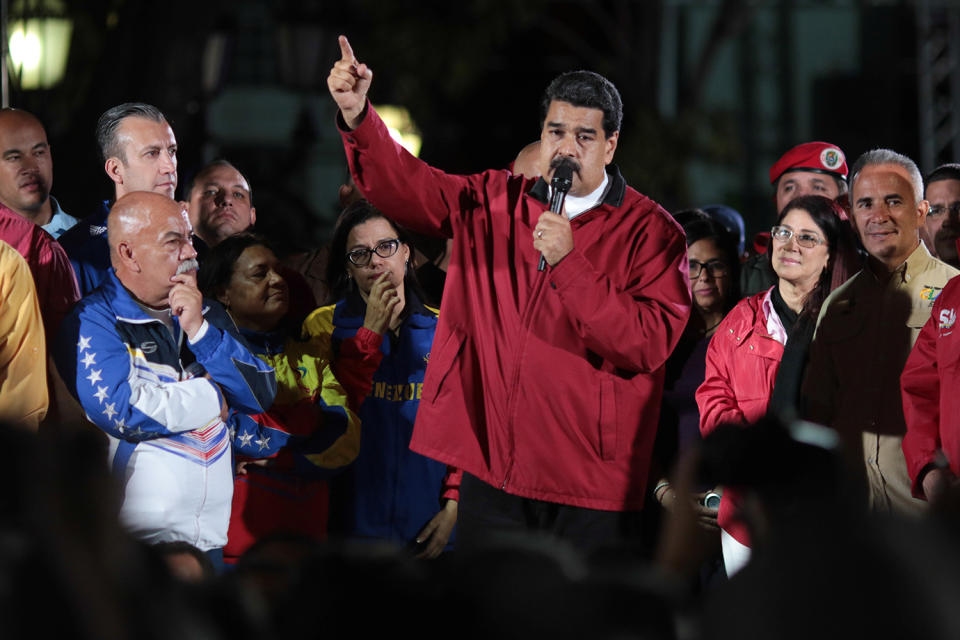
[575,205]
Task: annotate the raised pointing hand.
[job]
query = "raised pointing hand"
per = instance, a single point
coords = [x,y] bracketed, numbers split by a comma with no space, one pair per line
[349,82]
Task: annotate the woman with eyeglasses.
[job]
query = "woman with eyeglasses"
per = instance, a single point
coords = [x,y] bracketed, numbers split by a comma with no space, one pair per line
[755,362]
[714,264]
[287,491]
[381,334]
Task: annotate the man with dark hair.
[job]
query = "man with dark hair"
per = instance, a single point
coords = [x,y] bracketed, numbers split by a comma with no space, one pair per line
[812,168]
[220,202]
[220,205]
[868,324]
[544,386]
[585,89]
[140,154]
[941,231]
[52,275]
[26,172]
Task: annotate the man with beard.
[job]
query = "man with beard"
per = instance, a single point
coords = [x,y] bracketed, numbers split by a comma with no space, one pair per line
[543,385]
[158,369]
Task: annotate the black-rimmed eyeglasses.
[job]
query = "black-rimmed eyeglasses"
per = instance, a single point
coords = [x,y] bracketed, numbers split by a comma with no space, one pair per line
[804,239]
[715,268]
[384,249]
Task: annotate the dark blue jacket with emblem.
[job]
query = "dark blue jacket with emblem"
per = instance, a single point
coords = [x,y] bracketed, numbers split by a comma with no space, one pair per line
[389,492]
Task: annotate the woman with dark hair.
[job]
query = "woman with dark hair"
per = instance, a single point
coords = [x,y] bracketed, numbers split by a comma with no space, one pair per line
[381,336]
[286,492]
[755,362]
[713,261]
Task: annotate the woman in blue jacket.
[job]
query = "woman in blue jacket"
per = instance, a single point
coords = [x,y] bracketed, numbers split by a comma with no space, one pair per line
[381,335]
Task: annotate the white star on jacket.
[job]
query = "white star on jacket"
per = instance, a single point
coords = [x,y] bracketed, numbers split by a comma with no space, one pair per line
[94,376]
[101,394]
[84,343]
[110,410]
[88,360]
[245,439]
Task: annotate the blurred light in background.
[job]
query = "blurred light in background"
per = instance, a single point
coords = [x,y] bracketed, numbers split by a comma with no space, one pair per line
[39,41]
[402,127]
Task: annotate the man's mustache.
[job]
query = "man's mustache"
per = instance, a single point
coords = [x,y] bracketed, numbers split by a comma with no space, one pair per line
[188,265]
[565,160]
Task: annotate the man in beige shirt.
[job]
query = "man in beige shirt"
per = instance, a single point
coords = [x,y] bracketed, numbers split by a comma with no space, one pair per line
[868,325]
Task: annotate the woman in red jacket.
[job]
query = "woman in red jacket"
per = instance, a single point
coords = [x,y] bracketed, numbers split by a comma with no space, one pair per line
[756,358]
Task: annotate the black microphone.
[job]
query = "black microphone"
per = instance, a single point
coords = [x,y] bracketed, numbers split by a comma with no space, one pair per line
[561,183]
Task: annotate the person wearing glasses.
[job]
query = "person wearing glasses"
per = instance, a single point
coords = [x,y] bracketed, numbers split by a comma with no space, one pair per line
[811,168]
[868,326]
[381,337]
[941,229]
[713,258]
[755,361]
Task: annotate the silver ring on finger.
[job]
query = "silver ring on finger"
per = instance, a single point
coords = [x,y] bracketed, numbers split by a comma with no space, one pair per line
[540,234]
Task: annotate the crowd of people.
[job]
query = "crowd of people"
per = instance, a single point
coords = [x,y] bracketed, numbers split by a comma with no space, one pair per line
[575,413]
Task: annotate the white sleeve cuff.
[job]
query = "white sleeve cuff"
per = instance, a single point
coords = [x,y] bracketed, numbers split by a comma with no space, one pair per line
[202,331]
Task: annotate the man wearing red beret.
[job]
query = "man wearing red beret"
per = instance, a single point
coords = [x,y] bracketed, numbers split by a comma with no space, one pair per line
[811,168]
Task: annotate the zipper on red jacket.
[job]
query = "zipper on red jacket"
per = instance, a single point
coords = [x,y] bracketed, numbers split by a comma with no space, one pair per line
[526,319]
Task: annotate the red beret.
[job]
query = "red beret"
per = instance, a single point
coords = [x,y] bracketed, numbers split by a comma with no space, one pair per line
[821,157]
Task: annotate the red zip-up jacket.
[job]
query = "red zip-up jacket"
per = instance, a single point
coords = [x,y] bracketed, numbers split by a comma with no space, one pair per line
[742,364]
[546,385]
[930,380]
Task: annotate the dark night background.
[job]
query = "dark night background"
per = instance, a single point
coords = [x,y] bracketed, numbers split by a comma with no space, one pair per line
[714,92]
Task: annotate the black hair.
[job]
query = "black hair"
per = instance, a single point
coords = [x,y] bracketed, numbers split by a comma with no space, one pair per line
[338,278]
[217,266]
[109,122]
[698,225]
[841,247]
[585,89]
[950,171]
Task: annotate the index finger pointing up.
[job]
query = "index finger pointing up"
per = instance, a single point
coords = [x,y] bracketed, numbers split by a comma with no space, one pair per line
[346,51]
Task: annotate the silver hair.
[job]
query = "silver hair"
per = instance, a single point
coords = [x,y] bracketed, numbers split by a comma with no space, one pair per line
[889,156]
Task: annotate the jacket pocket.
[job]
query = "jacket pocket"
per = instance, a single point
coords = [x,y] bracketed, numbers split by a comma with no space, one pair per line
[608,419]
[441,364]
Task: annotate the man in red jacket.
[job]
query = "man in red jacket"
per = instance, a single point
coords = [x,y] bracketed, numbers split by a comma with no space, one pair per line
[931,405]
[544,386]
